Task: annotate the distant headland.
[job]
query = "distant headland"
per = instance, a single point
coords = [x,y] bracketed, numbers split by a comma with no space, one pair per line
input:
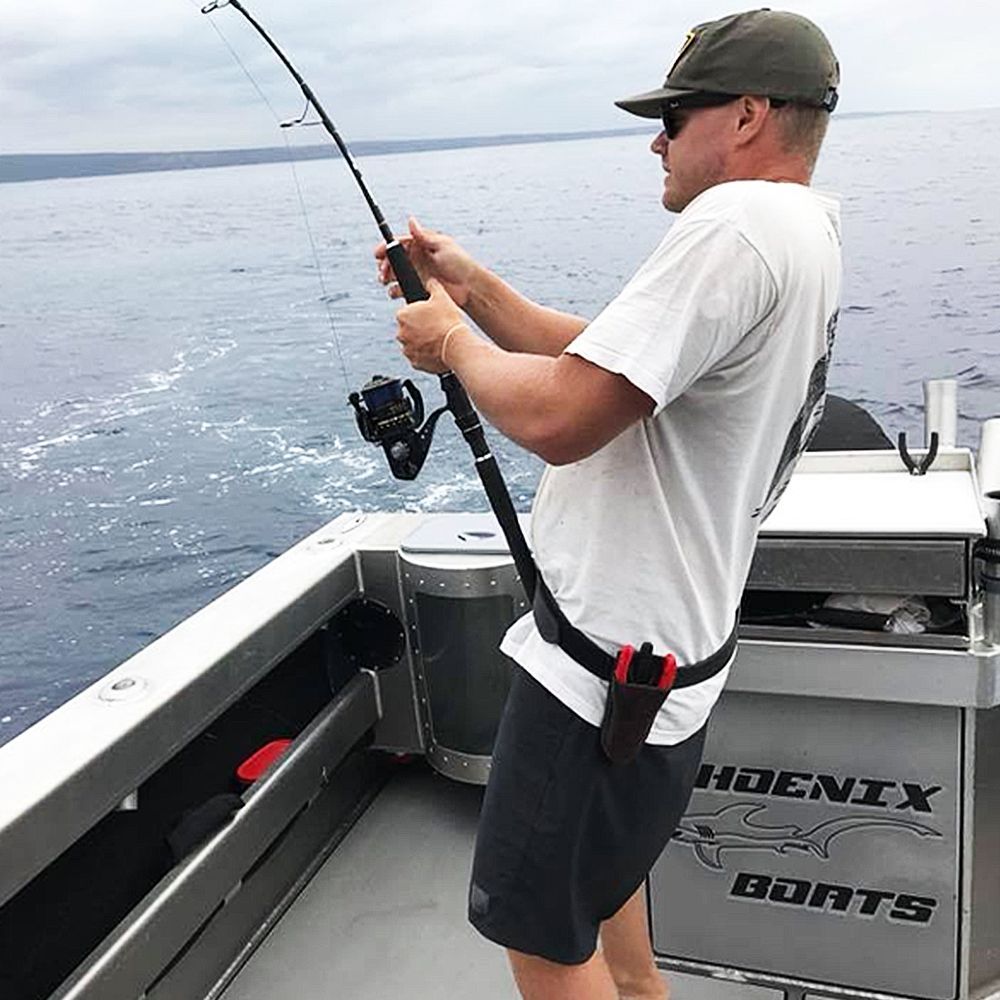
[15,167]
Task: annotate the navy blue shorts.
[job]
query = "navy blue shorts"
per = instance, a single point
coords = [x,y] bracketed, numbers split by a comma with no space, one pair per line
[566,837]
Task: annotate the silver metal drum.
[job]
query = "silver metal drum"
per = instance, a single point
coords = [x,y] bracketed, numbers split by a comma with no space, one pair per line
[460,598]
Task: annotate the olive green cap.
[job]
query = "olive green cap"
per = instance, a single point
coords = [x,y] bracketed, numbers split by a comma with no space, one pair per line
[770,53]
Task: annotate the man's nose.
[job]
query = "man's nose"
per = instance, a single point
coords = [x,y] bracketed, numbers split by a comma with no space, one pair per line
[659,144]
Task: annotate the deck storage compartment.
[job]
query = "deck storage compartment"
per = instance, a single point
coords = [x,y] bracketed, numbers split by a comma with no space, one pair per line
[844,828]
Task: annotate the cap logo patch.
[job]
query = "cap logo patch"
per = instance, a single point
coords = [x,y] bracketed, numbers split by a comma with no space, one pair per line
[689,40]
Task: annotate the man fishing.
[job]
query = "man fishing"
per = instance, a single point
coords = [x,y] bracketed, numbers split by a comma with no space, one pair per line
[670,424]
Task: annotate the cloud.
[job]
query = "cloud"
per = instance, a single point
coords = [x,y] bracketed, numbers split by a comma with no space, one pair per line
[79,74]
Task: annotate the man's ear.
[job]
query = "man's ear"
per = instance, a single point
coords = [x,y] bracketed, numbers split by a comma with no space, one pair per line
[752,113]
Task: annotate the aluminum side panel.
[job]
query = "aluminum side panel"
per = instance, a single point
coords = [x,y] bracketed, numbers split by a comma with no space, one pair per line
[399,728]
[822,844]
[984,951]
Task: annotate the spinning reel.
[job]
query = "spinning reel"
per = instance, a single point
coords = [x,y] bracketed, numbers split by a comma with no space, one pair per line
[388,417]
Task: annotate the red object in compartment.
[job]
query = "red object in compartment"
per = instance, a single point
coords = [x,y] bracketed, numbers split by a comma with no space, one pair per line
[259,761]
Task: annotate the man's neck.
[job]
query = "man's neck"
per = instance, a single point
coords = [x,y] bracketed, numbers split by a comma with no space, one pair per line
[793,170]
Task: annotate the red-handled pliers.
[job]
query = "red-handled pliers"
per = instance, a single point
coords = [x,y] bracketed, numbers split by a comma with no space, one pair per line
[626,654]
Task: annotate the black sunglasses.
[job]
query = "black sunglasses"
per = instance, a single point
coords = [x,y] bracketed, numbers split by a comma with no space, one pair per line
[672,123]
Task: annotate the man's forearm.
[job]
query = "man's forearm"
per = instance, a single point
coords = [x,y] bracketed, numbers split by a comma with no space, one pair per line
[563,409]
[514,322]
[560,406]
[514,391]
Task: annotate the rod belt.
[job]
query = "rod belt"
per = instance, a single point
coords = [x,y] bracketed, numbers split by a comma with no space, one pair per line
[556,628]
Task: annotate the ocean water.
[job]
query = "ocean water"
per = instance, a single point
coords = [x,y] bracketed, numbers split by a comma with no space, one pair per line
[174,365]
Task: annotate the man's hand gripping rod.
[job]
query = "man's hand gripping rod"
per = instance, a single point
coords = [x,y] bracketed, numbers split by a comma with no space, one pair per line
[413,290]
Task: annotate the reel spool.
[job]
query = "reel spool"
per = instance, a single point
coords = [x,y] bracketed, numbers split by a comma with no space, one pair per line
[390,413]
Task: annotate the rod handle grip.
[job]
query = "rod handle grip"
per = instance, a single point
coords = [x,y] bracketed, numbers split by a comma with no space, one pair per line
[406,274]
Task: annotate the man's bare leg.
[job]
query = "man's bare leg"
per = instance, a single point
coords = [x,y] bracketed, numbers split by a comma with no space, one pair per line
[629,954]
[539,979]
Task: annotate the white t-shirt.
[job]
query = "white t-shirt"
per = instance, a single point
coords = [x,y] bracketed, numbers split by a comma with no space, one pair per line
[728,327]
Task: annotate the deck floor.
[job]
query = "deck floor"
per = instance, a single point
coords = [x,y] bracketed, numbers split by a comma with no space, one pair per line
[385,915]
[384,918]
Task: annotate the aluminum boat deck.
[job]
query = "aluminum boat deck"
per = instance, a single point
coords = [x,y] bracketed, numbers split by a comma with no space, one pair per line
[384,917]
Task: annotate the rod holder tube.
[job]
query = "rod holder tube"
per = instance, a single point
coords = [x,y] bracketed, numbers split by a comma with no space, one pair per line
[988,459]
[941,411]
[987,558]
[991,508]
[991,616]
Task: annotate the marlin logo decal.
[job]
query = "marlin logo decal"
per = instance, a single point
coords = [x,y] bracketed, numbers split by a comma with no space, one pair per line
[731,828]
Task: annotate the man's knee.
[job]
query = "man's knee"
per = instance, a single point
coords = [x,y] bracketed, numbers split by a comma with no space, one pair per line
[649,985]
[651,991]
[541,979]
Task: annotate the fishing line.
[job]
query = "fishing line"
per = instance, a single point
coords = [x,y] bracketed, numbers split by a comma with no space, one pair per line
[390,411]
[298,188]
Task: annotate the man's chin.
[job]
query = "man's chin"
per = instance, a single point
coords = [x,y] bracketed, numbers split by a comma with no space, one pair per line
[669,197]
[670,202]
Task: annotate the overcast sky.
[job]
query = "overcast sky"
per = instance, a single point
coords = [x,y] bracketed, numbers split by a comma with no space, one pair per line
[152,74]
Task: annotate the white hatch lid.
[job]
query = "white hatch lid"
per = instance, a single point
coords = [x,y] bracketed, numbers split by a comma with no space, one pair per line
[866,493]
[451,534]
[837,493]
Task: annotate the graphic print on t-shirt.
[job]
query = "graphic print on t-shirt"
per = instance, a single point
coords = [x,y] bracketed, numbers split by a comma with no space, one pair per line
[804,426]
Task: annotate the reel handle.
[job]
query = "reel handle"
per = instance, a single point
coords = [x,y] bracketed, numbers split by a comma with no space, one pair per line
[416,401]
[406,274]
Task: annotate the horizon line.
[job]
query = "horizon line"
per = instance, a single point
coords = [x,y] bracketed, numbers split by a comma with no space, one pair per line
[463,139]
[17,168]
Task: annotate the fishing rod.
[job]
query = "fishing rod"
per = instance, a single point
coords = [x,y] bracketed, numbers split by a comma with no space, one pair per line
[390,412]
